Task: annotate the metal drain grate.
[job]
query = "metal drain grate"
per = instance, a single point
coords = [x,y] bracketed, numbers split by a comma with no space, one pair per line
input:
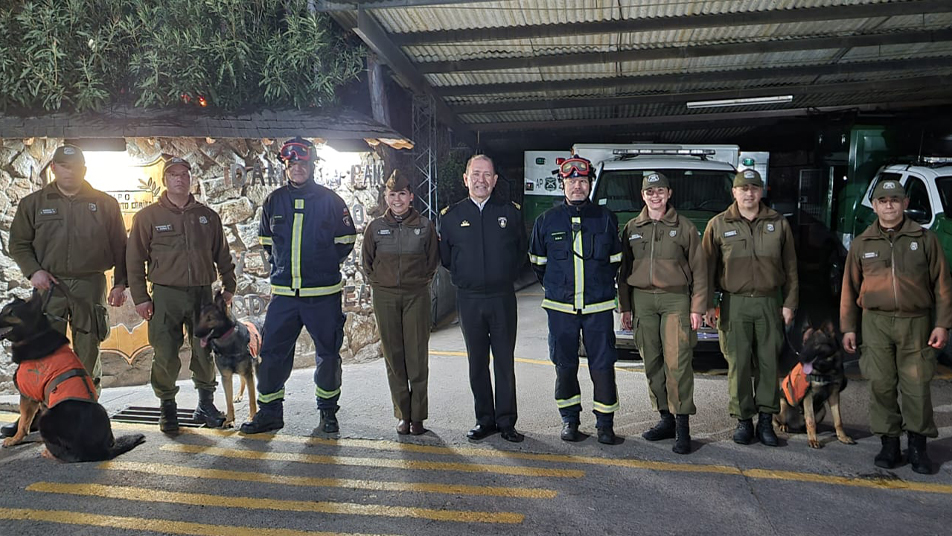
[147,415]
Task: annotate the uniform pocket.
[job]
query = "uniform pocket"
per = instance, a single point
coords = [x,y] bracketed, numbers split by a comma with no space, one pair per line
[101,322]
[603,246]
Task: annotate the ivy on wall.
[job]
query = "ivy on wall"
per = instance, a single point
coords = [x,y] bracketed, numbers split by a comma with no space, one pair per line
[229,54]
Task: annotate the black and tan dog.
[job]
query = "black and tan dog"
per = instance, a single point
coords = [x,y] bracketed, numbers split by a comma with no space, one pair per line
[74,427]
[236,346]
[817,378]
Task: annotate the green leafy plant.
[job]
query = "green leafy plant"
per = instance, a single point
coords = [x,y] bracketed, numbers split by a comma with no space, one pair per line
[230,54]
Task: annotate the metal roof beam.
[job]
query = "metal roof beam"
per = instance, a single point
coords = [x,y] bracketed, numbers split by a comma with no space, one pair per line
[760,47]
[712,118]
[838,87]
[353,5]
[687,22]
[376,38]
[920,64]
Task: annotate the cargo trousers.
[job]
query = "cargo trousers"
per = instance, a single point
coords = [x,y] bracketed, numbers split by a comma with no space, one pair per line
[897,360]
[666,343]
[173,309]
[750,329]
[86,315]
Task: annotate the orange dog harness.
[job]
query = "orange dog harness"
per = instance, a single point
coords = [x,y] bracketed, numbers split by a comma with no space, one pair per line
[254,339]
[57,377]
[795,385]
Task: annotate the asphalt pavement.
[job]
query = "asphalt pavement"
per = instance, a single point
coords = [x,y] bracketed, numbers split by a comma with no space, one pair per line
[369,480]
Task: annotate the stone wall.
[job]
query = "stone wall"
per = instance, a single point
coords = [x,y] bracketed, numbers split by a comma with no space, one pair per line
[233,177]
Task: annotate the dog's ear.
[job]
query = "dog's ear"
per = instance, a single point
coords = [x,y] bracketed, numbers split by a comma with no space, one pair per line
[828,328]
[219,299]
[807,333]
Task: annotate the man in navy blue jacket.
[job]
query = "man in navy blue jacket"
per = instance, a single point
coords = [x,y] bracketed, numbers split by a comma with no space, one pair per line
[576,253]
[483,245]
[307,231]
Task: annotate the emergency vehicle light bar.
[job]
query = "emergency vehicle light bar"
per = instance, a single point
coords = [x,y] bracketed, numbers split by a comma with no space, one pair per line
[937,159]
[688,152]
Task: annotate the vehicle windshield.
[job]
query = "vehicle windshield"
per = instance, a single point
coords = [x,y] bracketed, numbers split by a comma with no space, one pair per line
[693,189]
[944,185]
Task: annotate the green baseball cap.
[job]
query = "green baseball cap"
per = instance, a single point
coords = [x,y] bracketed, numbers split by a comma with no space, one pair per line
[748,177]
[889,188]
[654,180]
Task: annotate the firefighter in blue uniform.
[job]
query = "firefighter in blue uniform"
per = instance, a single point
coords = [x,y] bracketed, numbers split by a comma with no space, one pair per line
[483,245]
[307,231]
[575,253]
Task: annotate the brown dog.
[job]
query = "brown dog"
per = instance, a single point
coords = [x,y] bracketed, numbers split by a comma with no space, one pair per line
[818,378]
[236,346]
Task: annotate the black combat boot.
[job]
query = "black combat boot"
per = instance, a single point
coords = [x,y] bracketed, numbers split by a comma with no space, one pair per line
[744,433]
[206,410]
[10,430]
[570,432]
[606,435]
[168,417]
[663,430]
[765,432]
[329,422]
[269,418]
[918,457]
[682,438]
[889,456]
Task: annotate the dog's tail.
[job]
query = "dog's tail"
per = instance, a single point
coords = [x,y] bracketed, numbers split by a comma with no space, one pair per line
[124,444]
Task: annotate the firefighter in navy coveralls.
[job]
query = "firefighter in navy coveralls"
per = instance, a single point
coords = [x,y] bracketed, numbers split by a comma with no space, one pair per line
[483,244]
[575,253]
[307,231]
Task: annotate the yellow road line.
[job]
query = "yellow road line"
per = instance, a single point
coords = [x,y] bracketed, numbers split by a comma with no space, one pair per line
[158,526]
[261,503]
[375,462]
[373,485]
[890,484]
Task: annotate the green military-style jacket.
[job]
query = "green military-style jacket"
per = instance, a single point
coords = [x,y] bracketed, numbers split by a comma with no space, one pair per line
[75,236]
[902,272]
[662,256]
[400,255]
[752,258]
[181,247]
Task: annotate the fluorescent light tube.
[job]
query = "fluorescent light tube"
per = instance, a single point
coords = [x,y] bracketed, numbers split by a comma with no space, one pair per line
[779,99]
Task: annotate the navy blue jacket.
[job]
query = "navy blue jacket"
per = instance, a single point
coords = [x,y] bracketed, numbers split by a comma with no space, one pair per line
[483,251]
[307,232]
[575,252]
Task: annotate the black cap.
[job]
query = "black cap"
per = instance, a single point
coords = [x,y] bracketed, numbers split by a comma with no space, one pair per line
[69,154]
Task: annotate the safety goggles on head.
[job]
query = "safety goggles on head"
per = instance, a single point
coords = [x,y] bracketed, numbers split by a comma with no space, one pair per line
[574,167]
[294,151]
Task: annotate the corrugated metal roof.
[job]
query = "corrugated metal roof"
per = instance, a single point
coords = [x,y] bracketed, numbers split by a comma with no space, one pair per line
[542,30]
[531,12]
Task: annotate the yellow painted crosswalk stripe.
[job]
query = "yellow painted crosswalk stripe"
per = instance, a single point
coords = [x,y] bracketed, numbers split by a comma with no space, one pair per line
[376,462]
[372,485]
[158,526]
[261,503]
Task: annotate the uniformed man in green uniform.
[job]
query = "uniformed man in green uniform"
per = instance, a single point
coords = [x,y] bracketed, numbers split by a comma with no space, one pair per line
[751,259]
[399,257]
[179,244]
[69,234]
[897,280]
[663,284]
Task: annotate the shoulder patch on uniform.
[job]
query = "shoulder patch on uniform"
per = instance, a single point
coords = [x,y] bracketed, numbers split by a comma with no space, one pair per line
[444,211]
[517,205]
